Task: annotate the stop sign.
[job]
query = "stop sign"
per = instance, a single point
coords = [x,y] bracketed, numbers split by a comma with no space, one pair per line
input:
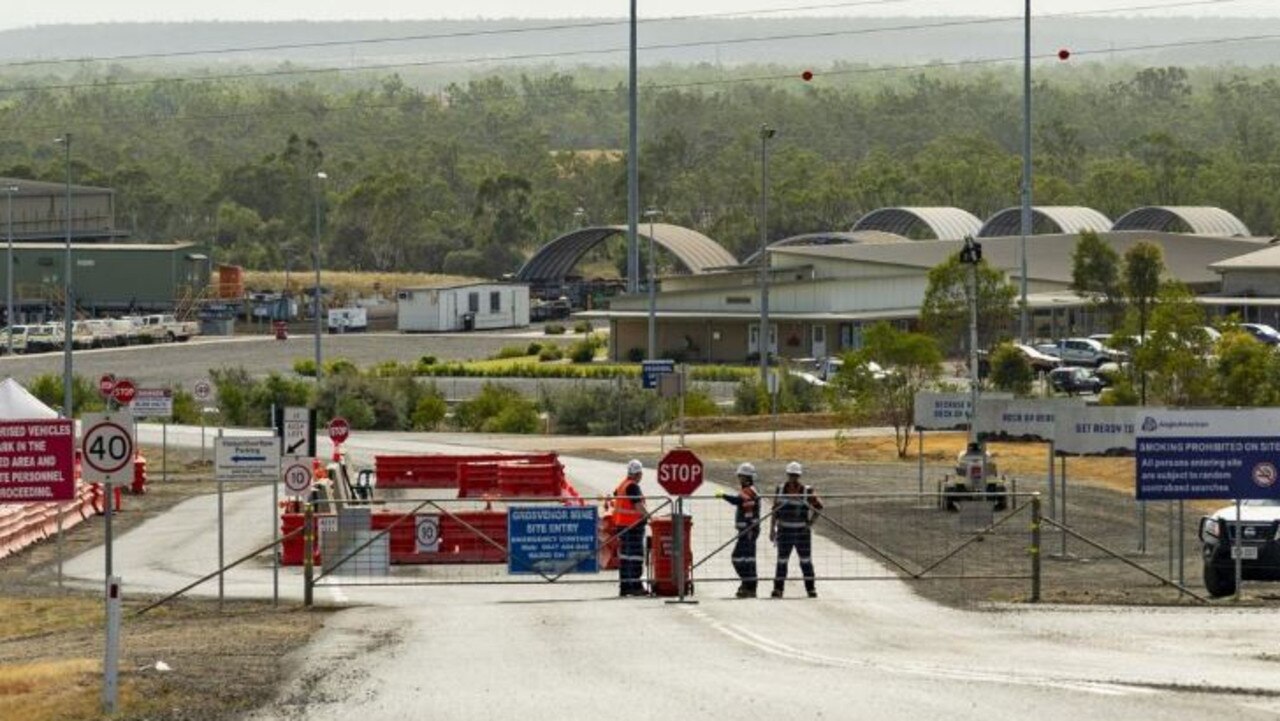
[339,430]
[106,384]
[124,391]
[680,472]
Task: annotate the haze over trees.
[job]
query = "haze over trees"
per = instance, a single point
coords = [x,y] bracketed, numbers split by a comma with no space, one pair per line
[474,177]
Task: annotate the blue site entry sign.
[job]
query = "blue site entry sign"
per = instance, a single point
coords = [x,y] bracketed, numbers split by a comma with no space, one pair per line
[1222,454]
[551,540]
[650,370]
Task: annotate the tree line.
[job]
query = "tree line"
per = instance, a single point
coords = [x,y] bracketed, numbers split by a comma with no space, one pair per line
[473,179]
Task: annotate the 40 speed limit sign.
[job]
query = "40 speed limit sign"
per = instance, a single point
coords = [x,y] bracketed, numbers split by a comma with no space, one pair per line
[107,447]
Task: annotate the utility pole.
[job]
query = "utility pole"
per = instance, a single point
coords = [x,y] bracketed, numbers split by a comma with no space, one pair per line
[633,168]
[1023,317]
[971,255]
[766,133]
[318,187]
[68,370]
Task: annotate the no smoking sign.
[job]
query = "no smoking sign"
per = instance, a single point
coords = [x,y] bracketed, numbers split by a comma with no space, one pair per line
[297,475]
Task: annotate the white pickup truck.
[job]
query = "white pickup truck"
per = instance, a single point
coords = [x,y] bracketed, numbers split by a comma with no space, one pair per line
[165,328]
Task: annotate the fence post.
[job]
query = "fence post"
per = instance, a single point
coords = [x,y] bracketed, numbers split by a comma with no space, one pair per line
[1035,549]
[308,553]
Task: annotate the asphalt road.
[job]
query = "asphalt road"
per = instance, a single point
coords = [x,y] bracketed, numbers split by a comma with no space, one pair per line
[869,649]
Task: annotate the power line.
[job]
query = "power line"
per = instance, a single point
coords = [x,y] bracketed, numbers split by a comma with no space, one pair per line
[966,22]
[452,35]
[365,106]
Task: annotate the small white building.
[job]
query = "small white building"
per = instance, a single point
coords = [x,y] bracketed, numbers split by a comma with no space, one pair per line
[474,306]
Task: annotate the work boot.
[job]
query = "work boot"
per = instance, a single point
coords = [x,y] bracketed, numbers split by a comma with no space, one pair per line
[777,593]
[813,593]
[744,592]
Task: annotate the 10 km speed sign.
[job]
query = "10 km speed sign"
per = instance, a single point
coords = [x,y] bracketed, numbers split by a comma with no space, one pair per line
[297,474]
[107,447]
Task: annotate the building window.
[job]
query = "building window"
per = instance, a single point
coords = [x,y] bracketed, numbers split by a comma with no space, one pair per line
[738,300]
[495,302]
[473,302]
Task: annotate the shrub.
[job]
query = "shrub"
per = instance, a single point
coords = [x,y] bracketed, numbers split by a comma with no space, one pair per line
[698,403]
[553,329]
[795,395]
[635,355]
[427,360]
[1010,370]
[84,393]
[599,410]
[430,410]
[340,366]
[535,348]
[305,367]
[511,351]
[550,353]
[358,412]
[582,326]
[584,351]
[498,409]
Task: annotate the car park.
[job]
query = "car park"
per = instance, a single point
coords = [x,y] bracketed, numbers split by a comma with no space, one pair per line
[1259,541]
[19,333]
[1074,380]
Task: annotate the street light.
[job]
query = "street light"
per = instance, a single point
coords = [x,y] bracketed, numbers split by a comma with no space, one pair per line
[1023,320]
[67,368]
[8,307]
[971,255]
[649,215]
[766,133]
[315,299]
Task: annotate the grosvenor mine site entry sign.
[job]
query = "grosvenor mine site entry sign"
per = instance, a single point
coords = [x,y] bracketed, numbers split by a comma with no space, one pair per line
[37,461]
[1228,454]
[552,539]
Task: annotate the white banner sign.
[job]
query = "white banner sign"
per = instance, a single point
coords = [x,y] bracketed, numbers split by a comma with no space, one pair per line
[1028,419]
[1166,423]
[247,459]
[1095,431]
[942,411]
[152,403]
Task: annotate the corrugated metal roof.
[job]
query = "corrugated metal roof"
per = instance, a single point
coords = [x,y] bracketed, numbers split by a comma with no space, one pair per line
[553,261]
[1049,257]
[1200,220]
[834,237]
[1054,218]
[944,223]
[1265,259]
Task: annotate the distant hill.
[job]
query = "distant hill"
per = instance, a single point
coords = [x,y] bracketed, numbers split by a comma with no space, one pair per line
[824,41]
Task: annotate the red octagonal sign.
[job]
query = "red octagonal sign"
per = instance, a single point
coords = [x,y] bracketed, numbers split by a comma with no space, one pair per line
[339,430]
[680,472]
[124,391]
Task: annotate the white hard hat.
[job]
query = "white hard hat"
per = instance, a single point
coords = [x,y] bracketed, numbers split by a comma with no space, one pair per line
[794,468]
[748,470]
[634,467]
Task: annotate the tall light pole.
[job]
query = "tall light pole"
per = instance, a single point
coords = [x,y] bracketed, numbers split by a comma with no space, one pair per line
[633,168]
[650,214]
[766,133]
[8,307]
[318,188]
[971,255]
[1023,317]
[67,368]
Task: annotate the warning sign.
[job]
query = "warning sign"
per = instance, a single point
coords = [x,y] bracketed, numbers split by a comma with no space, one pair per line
[427,533]
[37,461]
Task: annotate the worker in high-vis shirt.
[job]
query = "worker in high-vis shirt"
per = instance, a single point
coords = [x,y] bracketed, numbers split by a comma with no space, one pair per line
[795,508]
[629,514]
[746,519]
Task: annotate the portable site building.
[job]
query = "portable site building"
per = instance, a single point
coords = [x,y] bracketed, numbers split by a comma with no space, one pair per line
[475,306]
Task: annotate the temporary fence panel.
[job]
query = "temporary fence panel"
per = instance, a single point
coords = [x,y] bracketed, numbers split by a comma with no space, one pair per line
[439,470]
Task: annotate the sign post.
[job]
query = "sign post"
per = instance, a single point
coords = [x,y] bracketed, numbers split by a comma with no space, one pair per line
[246,459]
[339,432]
[680,473]
[650,370]
[203,392]
[156,403]
[297,432]
[37,461]
[107,449]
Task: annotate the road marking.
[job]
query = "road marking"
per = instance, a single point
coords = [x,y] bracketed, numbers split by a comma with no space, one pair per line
[776,648]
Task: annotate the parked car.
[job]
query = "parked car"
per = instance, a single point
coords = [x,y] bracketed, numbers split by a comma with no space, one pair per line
[1039,361]
[1262,332]
[1259,545]
[44,337]
[19,333]
[1073,380]
[1081,351]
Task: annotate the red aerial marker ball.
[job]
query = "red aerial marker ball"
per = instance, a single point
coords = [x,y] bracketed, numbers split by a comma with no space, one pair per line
[1064,54]
[806,75]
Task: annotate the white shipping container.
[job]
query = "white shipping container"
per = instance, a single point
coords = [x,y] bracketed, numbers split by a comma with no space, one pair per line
[478,306]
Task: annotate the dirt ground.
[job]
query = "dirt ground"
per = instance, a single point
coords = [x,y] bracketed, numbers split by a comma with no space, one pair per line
[220,663]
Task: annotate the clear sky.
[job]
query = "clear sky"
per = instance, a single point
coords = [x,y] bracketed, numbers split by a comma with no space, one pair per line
[21,13]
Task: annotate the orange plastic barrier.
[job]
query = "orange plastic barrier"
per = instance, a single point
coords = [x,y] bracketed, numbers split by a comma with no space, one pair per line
[440,470]
[139,485]
[662,557]
[24,524]
[293,549]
